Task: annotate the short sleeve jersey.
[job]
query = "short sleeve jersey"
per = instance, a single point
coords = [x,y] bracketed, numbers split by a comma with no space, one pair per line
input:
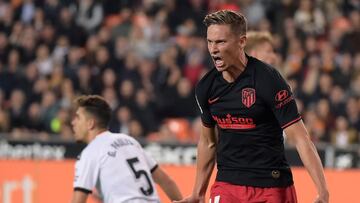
[250,114]
[117,166]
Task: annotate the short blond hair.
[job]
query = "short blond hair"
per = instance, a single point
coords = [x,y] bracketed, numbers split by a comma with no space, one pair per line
[236,20]
[256,38]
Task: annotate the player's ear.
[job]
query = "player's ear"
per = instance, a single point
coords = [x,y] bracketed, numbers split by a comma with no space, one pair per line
[242,41]
[91,123]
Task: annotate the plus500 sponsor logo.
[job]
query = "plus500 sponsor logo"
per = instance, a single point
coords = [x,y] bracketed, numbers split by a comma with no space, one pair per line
[233,122]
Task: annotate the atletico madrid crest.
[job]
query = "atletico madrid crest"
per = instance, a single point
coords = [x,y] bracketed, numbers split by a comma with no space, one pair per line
[248,96]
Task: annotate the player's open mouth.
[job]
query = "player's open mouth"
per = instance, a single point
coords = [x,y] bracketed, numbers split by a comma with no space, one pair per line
[218,61]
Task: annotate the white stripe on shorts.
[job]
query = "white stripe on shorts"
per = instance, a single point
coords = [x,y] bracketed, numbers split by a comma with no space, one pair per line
[216,199]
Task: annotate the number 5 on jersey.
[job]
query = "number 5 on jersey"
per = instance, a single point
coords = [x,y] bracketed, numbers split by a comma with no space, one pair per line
[138,174]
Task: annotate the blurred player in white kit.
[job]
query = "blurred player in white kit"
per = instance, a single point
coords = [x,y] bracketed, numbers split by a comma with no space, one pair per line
[114,164]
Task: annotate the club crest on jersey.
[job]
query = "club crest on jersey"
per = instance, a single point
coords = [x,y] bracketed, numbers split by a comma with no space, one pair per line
[248,96]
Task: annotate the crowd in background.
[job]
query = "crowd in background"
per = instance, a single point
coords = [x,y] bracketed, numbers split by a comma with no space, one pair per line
[146,56]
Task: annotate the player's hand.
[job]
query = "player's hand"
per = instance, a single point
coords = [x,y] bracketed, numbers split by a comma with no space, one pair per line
[191,199]
[323,198]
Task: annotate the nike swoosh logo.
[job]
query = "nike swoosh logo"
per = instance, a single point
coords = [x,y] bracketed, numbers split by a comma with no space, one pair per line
[211,101]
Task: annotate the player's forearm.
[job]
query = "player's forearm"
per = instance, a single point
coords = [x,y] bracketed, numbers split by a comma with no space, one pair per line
[171,190]
[166,183]
[312,163]
[205,166]
[298,136]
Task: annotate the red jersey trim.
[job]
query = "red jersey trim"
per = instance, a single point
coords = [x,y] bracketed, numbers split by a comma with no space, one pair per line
[236,126]
[291,122]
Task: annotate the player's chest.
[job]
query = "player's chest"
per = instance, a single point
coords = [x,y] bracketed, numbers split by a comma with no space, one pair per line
[238,99]
[240,106]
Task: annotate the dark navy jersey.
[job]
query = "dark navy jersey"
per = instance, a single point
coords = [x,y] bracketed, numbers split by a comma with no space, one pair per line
[250,114]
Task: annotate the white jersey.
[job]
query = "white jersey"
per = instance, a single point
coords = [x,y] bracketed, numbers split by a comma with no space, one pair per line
[118,167]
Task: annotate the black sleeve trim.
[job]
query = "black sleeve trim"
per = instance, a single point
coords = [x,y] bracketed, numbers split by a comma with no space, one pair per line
[82,190]
[290,123]
[154,168]
[208,125]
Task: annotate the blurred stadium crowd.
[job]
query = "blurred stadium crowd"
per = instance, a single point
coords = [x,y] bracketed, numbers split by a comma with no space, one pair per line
[145,57]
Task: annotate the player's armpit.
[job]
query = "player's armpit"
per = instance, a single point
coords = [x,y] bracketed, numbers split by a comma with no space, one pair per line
[79,196]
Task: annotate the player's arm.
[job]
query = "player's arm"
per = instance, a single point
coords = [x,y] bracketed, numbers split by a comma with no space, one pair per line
[167,184]
[205,164]
[79,196]
[280,98]
[298,136]
[205,160]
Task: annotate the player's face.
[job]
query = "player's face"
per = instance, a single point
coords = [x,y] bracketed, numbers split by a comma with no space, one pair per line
[265,53]
[224,46]
[80,125]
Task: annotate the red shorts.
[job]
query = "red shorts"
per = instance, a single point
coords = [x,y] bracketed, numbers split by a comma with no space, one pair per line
[222,192]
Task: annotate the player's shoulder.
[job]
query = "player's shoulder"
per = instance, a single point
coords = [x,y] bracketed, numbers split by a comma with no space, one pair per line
[265,72]
[262,67]
[127,137]
[206,81]
[125,140]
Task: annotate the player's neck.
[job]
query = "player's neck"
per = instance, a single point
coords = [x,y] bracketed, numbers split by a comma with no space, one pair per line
[232,73]
[93,133]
